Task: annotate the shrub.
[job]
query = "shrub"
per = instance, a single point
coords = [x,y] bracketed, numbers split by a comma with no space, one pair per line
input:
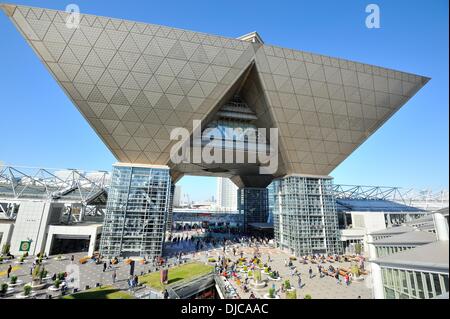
[257,275]
[308,297]
[250,273]
[287,284]
[5,249]
[245,268]
[355,271]
[27,290]
[61,276]
[291,294]
[272,293]
[21,259]
[36,272]
[13,280]
[43,274]
[3,289]
[358,248]
[57,283]
[1,259]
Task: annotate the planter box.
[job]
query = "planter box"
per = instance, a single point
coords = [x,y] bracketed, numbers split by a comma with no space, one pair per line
[18,283]
[22,296]
[38,287]
[9,291]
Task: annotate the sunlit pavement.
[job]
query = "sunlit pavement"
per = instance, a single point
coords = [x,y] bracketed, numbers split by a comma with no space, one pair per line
[91,274]
[316,287]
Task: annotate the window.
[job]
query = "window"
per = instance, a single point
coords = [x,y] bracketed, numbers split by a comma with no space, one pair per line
[412,283]
[437,284]
[420,289]
[445,280]
[428,279]
[403,282]
[389,293]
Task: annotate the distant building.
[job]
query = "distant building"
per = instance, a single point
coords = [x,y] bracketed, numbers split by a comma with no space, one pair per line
[177,196]
[226,194]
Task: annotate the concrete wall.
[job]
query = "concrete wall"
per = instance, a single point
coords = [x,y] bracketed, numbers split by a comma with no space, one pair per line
[5,233]
[31,225]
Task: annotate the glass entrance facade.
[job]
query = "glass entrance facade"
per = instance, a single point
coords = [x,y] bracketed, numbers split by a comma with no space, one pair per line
[137,209]
[253,203]
[305,218]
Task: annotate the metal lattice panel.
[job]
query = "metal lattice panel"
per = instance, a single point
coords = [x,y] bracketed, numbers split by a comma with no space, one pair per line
[138,206]
[305,218]
[134,82]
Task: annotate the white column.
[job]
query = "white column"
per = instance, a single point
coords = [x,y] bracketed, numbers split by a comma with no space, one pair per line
[372,249]
[377,281]
[440,223]
[92,241]
[48,245]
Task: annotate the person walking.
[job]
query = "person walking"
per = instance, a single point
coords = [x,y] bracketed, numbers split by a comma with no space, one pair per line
[299,281]
[114,276]
[8,272]
[338,280]
[104,266]
[347,280]
[310,272]
[72,259]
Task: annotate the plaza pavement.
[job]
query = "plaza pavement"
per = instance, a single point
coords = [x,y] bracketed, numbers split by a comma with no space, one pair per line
[318,288]
[91,274]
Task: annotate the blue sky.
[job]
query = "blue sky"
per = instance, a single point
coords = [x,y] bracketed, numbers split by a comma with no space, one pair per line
[41,128]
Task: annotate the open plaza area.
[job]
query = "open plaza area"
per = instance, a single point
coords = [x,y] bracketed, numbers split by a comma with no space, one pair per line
[101,279]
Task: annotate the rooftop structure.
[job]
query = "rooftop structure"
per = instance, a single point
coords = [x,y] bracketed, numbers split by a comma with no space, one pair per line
[134,82]
[412,261]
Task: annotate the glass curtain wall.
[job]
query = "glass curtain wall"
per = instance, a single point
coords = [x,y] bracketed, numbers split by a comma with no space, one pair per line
[410,284]
[137,209]
[254,205]
[305,217]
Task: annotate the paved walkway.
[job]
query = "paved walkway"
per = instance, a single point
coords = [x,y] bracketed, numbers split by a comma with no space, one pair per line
[318,288]
[91,274]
